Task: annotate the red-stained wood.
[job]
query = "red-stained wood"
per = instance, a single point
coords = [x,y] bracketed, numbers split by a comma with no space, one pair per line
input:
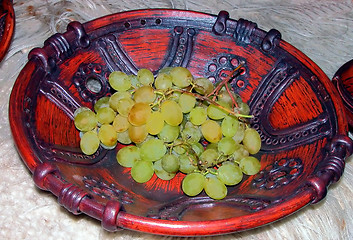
[7,26]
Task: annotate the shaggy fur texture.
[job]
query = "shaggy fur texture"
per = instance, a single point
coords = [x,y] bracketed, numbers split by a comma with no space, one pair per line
[320,29]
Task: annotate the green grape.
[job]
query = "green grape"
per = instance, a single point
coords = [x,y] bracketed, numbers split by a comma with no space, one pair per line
[144,94]
[107,135]
[124,106]
[152,150]
[120,123]
[170,163]
[239,135]
[85,120]
[243,108]
[209,158]
[127,156]
[211,131]
[105,115]
[197,148]
[142,171]
[198,115]
[163,81]
[187,163]
[116,97]
[250,165]
[119,81]
[252,140]
[191,134]
[203,86]
[215,112]
[214,188]
[229,174]
[145,76]
[239,153]
[161,173]
[212,146]
[169,133]
[224,96]
[137,134]
[227,146]
[155,123]
[102,102]
[181,77]
[175,95]
[171,112]
[139,113]
[89,142]
[124,138]
[81,109]
[187,102]
[193,184]
[179,147]
[134,81]
[229,126]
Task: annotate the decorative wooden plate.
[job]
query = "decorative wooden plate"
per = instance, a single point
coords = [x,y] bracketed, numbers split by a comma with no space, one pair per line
[7,25]
[297,111]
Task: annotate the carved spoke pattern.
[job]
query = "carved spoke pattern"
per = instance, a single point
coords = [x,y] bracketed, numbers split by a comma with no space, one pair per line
[273,86]
[279,173]
[106,191]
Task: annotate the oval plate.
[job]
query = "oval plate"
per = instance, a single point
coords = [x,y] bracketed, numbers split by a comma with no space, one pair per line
[296,109]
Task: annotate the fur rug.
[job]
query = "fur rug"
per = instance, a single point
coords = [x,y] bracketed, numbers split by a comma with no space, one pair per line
[320,29]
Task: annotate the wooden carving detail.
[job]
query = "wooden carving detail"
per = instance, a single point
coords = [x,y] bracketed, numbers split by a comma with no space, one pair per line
[2,23]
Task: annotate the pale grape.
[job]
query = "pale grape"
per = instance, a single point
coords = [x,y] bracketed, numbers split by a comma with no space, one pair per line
[81,109]
[142,171]
[197,148]
[224,96]
[181,77]
[154,123]
[215,112]
[152,150]
[239,153]
[89,142]
[105,115]
[198,115]
[127,156]
[107,135]
[145,76]
[119,81]
[252,140]
[144,94]
[169,133]
[137,134]
[203,86]
[227,146]
[163,81]
[230,174]
[179,147]
[116,97]
[124,106]
[102,102]
[193,184]
[250,165]
[243,108]
[211,131]
[187,163]
[209,157]
[229,126]
[139,113]
[171,112]
[124,138]
[85,120]
[170,163]
[239,135]
[191,134]
[214,188]
[120,123]
[161,173]
[187,102]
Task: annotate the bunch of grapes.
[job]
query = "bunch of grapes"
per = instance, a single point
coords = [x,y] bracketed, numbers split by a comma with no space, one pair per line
[174,123]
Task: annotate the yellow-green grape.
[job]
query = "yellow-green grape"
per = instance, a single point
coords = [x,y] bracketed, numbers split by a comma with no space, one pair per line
[191,134]
[214,188]
[89,142]
[124,138]
[187,163]
[85,120]
[250,165]
[197,148]
[139,113]
[198,115]
[187,102]
[105,115]
[163,81]
[154,123]
[229,126]
[120,123]
[81,109]
[203,86]
[193,184]
[170,163]
[244,108]
[239,153]
[215,112]
[239,135]
[171,112]
[181,77]
[144,94]
[169,133]
[119,81]
[179,147]
[161,173]
[211,131]
[124,106]
[107,135]
[134,81]
[116,97]
[142,171]
[212,146]
[127,156]
[227,146]
[230,174]
[145,76]
[137,134]
[152,150]
[209,158]
[175,95]
[102,102]
[252,140]
[224,96]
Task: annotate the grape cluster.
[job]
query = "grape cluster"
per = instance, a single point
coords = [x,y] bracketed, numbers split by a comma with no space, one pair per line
[174,123]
